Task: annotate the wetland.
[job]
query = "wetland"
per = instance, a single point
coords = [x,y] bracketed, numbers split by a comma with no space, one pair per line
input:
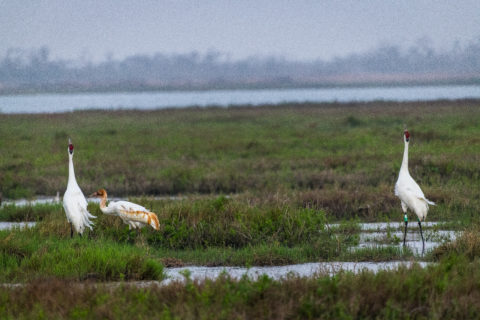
[282,211]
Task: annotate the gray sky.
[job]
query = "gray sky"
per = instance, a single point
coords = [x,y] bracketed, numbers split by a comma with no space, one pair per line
[303,30]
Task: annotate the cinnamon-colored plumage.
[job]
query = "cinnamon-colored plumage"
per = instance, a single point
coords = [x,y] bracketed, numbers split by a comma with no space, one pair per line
[132,214]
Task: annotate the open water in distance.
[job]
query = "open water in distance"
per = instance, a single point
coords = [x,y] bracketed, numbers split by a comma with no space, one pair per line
[50,103]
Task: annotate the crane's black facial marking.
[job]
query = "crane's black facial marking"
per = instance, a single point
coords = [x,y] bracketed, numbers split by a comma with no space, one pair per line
[70,148]
[407,135]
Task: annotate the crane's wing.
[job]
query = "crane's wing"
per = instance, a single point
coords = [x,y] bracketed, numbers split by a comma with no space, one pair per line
[66,207]
[396,189]
[415,190]
[129,211]
[406,185]
[129,206]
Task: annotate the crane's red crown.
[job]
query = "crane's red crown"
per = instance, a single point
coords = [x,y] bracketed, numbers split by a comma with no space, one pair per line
[70,148]
[407,135]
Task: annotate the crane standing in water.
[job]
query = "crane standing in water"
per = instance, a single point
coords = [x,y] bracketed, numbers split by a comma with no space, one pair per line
[410,194]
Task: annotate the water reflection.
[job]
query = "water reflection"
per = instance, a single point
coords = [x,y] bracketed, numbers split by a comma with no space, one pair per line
[280,272]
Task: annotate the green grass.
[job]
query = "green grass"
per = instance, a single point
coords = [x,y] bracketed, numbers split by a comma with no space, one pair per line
[377,254]
[209,231]
[35,212]
[343,158]
[216,231]
[26,256]
[287,173]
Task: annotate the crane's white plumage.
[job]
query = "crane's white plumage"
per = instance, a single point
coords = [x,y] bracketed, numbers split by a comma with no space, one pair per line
[74,201]
[132,214]
[409,192]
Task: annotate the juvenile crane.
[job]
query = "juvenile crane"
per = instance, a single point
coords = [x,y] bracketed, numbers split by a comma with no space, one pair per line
[132,214]
[74,201]
[410,194]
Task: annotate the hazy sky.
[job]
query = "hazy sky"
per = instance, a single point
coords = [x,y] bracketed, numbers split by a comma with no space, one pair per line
[292,29]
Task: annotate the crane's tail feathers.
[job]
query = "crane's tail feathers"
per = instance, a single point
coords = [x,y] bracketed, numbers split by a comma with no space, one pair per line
[430,202]
[87,223]
[89,215]
[153,221]
[427,201]
[86,216]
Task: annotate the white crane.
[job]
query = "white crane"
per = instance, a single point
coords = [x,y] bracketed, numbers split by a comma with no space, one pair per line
[410,194]
[74,201]
[132,214]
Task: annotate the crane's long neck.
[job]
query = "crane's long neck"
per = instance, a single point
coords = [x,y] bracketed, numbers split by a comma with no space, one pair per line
[103,203]
[404,166]
[71,172]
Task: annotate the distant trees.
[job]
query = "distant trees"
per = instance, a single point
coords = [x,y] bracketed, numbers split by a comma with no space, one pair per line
[34,70]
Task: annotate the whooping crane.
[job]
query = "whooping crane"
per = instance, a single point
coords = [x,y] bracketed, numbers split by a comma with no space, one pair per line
[132,214]
[410,194]
[74,201]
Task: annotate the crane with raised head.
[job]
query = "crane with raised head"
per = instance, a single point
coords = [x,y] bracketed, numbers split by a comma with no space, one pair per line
[74,201]
[410,194]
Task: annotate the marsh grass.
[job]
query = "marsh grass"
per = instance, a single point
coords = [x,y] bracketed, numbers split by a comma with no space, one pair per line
[216,231]
[466,245]
[28,254]
[342,159]
[241,230]
[213,232]
[217,222]
[377,254]
[351,147]
[36,212]
[291,170]
[448,289]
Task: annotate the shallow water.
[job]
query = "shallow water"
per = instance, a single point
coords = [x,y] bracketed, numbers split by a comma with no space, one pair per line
[55,200]
[392,235]
[279,272]
[11,225]
[382,226]
[412,235]
[31,202]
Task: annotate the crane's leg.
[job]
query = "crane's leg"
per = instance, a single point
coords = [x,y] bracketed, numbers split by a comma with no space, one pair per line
[71,230]
[405,218]
[421,234]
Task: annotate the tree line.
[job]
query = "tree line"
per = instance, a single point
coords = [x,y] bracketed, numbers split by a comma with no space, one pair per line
[35,71]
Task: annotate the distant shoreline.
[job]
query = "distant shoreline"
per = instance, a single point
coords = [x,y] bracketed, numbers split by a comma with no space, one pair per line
[140,88]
